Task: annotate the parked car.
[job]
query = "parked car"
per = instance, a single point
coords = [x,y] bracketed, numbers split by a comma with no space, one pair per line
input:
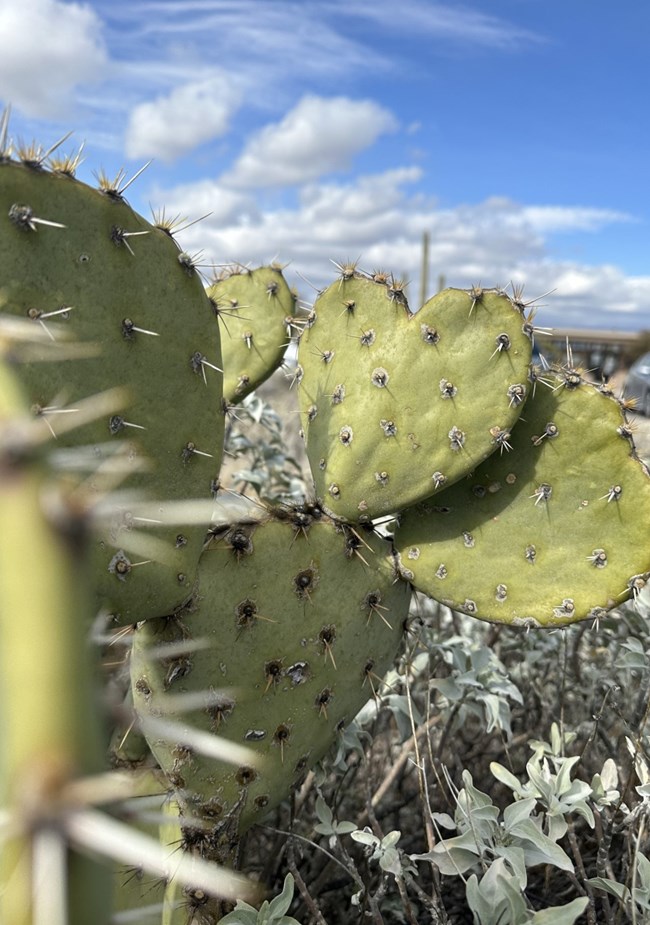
[637,384]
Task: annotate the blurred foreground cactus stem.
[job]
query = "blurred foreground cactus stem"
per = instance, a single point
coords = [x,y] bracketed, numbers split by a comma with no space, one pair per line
[48,723]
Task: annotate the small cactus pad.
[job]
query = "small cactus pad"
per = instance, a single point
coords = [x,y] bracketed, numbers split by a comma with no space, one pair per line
[397,405]
[86,269]
[294,623]
[553,531]
[256,308]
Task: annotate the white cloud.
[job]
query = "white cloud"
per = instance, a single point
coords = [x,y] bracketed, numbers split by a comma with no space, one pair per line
[380,219]
[330,220]
[47,48]
[256,40]
[191,114]
[571,218]
[471,27]
[227,207]
[318,136]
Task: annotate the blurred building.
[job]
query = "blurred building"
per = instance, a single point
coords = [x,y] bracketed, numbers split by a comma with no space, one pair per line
[601,352]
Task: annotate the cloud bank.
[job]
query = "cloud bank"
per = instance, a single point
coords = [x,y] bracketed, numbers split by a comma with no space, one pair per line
[379,219]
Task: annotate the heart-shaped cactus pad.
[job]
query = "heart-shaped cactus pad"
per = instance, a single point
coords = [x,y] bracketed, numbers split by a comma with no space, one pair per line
[396,405]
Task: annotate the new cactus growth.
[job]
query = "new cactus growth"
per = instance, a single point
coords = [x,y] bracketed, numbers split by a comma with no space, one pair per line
[294,622]
[256,309]
[395,405]
[552,530]
[83,266]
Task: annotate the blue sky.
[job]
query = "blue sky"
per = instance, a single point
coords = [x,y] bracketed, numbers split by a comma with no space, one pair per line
[514,131]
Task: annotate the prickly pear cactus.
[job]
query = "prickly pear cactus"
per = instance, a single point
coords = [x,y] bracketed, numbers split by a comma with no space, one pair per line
[50,733]
[551,530]
[257,310]
[395,405]
[294,622]
[84,267]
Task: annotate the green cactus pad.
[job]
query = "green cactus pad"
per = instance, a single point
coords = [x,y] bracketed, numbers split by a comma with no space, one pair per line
[397,405]
[82,265]
[552,532]
[294,623]
[256,308]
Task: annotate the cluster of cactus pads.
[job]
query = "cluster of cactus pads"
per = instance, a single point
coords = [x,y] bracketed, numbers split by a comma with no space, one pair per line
[442,459]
